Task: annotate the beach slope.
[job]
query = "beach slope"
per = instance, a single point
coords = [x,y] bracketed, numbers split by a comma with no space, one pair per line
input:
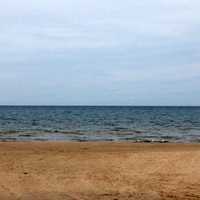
[99,170]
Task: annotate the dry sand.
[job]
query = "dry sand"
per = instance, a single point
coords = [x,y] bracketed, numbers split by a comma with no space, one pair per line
[107,171]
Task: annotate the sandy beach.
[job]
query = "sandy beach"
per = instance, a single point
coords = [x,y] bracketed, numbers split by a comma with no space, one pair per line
[67,170]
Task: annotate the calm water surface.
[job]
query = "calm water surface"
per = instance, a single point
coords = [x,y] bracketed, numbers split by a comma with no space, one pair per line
[93,123]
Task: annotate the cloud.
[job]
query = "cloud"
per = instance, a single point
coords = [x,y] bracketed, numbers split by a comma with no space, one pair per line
[121,49]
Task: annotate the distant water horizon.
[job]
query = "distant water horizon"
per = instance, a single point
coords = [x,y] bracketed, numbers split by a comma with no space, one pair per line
[95,105]
[100,123]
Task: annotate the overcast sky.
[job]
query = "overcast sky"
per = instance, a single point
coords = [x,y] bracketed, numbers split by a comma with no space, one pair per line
[100,52]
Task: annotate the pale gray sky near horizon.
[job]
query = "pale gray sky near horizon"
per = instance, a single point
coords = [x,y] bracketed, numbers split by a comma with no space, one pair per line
[100,52]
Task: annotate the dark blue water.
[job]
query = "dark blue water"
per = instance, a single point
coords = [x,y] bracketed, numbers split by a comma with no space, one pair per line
[90,123]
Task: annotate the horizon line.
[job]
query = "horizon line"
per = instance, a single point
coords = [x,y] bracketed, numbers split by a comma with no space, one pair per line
[79,105]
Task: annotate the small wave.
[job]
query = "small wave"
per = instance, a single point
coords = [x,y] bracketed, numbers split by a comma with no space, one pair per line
[152,141]
[119,129]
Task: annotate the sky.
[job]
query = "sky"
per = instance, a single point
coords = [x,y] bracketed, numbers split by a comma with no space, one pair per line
[93,52]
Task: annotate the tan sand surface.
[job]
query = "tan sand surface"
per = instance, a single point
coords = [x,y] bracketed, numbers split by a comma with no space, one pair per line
[106,171]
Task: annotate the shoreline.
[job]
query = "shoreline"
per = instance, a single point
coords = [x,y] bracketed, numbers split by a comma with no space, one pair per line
[99,170]
[152,142]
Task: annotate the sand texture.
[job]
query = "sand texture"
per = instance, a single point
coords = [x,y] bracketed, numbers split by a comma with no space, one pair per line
[99,171]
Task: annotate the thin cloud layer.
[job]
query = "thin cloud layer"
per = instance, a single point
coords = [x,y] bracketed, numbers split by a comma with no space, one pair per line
[100,52]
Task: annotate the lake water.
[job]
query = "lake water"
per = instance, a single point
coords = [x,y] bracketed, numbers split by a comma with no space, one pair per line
[100,123]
